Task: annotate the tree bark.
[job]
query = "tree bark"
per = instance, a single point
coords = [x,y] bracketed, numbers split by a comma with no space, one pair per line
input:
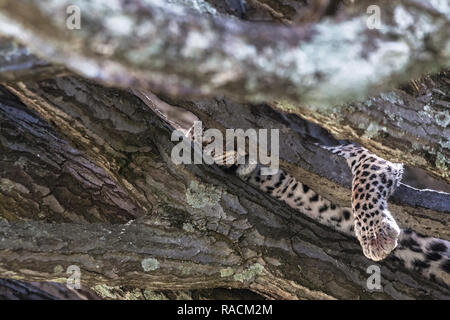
[195,227]
[208,54]
[85,172]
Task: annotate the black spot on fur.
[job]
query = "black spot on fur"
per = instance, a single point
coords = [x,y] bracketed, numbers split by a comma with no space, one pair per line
[383,178]
[276,185]
[323,208]
[433,256]
[305,188]
[364,207]
[336,219]
[365,173]
[411,244]
[389,183]
[295,186]
[420,264]
[375,167]
[373,176]
[314,198]
[375,183]
[346,214]
[437,246]
[357,206]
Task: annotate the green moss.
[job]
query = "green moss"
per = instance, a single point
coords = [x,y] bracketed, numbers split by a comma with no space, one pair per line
[227,272]
[392,97]
[150,264]
[199,195]
[152,295]
[58,269]
[441,163]
[373,130]
[104,291]
[188,227]
[250,273]
[443,118]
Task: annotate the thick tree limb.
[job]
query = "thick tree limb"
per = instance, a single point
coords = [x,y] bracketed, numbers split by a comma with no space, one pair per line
[406,127]
[203,54]
[204,228]
[17,62]
[425,211]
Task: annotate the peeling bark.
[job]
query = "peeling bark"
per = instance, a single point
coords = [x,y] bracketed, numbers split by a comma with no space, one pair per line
[425,211]
[85,171]
[408,125]
[200,227]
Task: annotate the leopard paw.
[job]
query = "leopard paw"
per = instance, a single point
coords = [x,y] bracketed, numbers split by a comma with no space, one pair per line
[378,239]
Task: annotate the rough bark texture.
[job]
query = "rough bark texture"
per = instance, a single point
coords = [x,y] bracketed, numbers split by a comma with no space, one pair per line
[85,172]
[209,54]
[425,211]
[408,125]
[198,228]
[128,44]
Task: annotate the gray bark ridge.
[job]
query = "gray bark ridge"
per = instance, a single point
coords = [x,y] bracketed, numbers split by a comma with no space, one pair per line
[202,227]
[211,54]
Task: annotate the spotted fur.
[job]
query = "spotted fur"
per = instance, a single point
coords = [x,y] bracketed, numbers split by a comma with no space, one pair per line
[426,255]
[373,181]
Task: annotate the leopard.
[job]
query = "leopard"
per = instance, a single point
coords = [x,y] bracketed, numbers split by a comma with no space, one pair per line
[374,180]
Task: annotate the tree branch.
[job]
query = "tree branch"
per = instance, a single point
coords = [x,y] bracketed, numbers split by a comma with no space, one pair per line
[205,228]
[205,54]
